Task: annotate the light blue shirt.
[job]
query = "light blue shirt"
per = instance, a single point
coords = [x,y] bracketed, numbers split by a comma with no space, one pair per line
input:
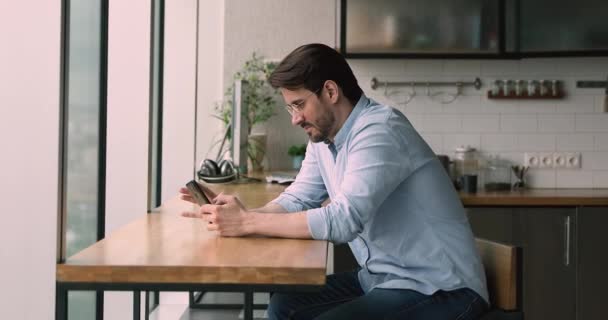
[392,201]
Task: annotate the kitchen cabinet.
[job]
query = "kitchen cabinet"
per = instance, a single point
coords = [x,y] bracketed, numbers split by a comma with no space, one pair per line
[564,259]
[563,26]
[592,263]
[390,28]
[505,29]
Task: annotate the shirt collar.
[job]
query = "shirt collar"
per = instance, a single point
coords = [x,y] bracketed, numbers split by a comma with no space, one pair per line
[350,121]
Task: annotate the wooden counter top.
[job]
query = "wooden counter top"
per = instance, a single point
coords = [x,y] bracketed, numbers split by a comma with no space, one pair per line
[537,197]
[164,247]
[257,194]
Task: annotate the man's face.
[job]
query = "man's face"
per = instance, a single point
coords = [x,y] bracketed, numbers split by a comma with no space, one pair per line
[310,112]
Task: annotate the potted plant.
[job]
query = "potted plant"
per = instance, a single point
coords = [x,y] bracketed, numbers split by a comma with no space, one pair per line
[297,153]
[259,97]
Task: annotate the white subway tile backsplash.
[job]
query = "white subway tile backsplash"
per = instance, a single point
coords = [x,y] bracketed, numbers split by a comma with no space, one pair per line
[591,122]
[538,67]
[537,106]
[574,179]
[505,127]
[515,158]
[601,142]
[584,67]
[416,67]
[600,179]
[499,142]
[540,178]
[422,104]
[442,123]
[379,68]
[462,67]
[451,141]
[556,123]
[536,142]
[574,142]
[499,68]
[575,104]
[518,123]
[435,141]
[480,123]
[464,105]
[595,160]
[417,120]
[499,106]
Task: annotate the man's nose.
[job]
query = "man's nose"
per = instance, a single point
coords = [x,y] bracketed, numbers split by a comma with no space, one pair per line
[296,118]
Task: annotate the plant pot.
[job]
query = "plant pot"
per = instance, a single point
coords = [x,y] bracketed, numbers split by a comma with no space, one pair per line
[297,161]
[256,150]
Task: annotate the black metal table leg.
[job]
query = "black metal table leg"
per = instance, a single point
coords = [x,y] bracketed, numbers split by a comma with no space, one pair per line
[147,306]
[136,305]
[61,302]
[248,306]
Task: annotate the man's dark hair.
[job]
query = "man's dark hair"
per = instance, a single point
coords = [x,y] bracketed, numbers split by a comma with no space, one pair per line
[310,65]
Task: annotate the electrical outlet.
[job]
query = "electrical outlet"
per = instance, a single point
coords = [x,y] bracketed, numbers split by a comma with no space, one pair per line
[546,160]
[531,159]
[573,160]
[559,160]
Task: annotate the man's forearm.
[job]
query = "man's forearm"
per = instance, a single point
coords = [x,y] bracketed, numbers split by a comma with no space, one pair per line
[270,207]
[290,225]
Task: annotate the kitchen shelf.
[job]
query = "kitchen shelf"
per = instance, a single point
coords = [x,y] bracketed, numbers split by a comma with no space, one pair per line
[512,96]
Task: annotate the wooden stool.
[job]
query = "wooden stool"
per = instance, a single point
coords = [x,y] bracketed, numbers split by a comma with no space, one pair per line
[502,264]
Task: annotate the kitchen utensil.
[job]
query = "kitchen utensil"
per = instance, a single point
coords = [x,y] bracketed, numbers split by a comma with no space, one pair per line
[520,173]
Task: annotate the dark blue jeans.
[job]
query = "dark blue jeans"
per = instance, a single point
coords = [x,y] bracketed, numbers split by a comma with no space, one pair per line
[343,298]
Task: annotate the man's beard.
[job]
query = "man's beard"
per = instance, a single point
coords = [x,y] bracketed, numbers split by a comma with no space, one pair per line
[323,126]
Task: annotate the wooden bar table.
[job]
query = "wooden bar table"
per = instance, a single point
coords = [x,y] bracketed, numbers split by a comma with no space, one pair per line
[163,251]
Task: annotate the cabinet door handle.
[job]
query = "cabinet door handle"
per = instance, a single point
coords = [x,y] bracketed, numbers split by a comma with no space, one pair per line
[567,241]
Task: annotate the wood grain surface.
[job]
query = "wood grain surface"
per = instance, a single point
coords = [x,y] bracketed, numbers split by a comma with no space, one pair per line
[538,197]
[164,247]
[500,264]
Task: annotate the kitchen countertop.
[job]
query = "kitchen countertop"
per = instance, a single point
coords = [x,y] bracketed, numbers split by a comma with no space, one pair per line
[257,194]
[537,197]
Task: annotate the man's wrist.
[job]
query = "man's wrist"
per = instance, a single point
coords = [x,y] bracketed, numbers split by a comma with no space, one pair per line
[249,222]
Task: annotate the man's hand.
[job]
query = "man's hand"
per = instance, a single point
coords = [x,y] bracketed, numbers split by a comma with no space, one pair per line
[226,215]
[184,194]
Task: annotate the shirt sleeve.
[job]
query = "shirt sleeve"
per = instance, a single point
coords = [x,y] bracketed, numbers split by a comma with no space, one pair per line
[378,162]
[308,190]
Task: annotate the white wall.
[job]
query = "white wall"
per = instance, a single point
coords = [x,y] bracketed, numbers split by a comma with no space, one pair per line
[179,96]
[127,126]
[29,140]
[210,76]
[274,28]
[505,128]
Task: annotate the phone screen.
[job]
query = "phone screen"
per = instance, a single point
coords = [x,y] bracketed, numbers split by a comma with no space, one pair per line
[197,193]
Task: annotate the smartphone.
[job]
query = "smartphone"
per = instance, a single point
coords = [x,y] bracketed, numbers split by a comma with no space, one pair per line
[197,193]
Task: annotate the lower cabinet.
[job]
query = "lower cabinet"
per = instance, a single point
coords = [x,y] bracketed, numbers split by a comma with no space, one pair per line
[564,257]
[592,281]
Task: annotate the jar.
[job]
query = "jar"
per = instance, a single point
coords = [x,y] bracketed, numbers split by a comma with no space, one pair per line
[518,87]
[466,162]
[543,87]
[531,87]
[497,175]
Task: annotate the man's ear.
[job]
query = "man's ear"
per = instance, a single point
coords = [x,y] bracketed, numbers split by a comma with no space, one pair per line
[333,91]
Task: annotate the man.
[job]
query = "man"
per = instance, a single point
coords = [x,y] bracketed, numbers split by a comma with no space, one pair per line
[391,200]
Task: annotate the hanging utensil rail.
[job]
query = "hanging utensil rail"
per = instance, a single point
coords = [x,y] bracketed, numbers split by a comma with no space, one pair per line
[375,83]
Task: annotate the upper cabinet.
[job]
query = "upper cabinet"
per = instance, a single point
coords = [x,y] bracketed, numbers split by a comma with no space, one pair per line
[472,28]
[563,27]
